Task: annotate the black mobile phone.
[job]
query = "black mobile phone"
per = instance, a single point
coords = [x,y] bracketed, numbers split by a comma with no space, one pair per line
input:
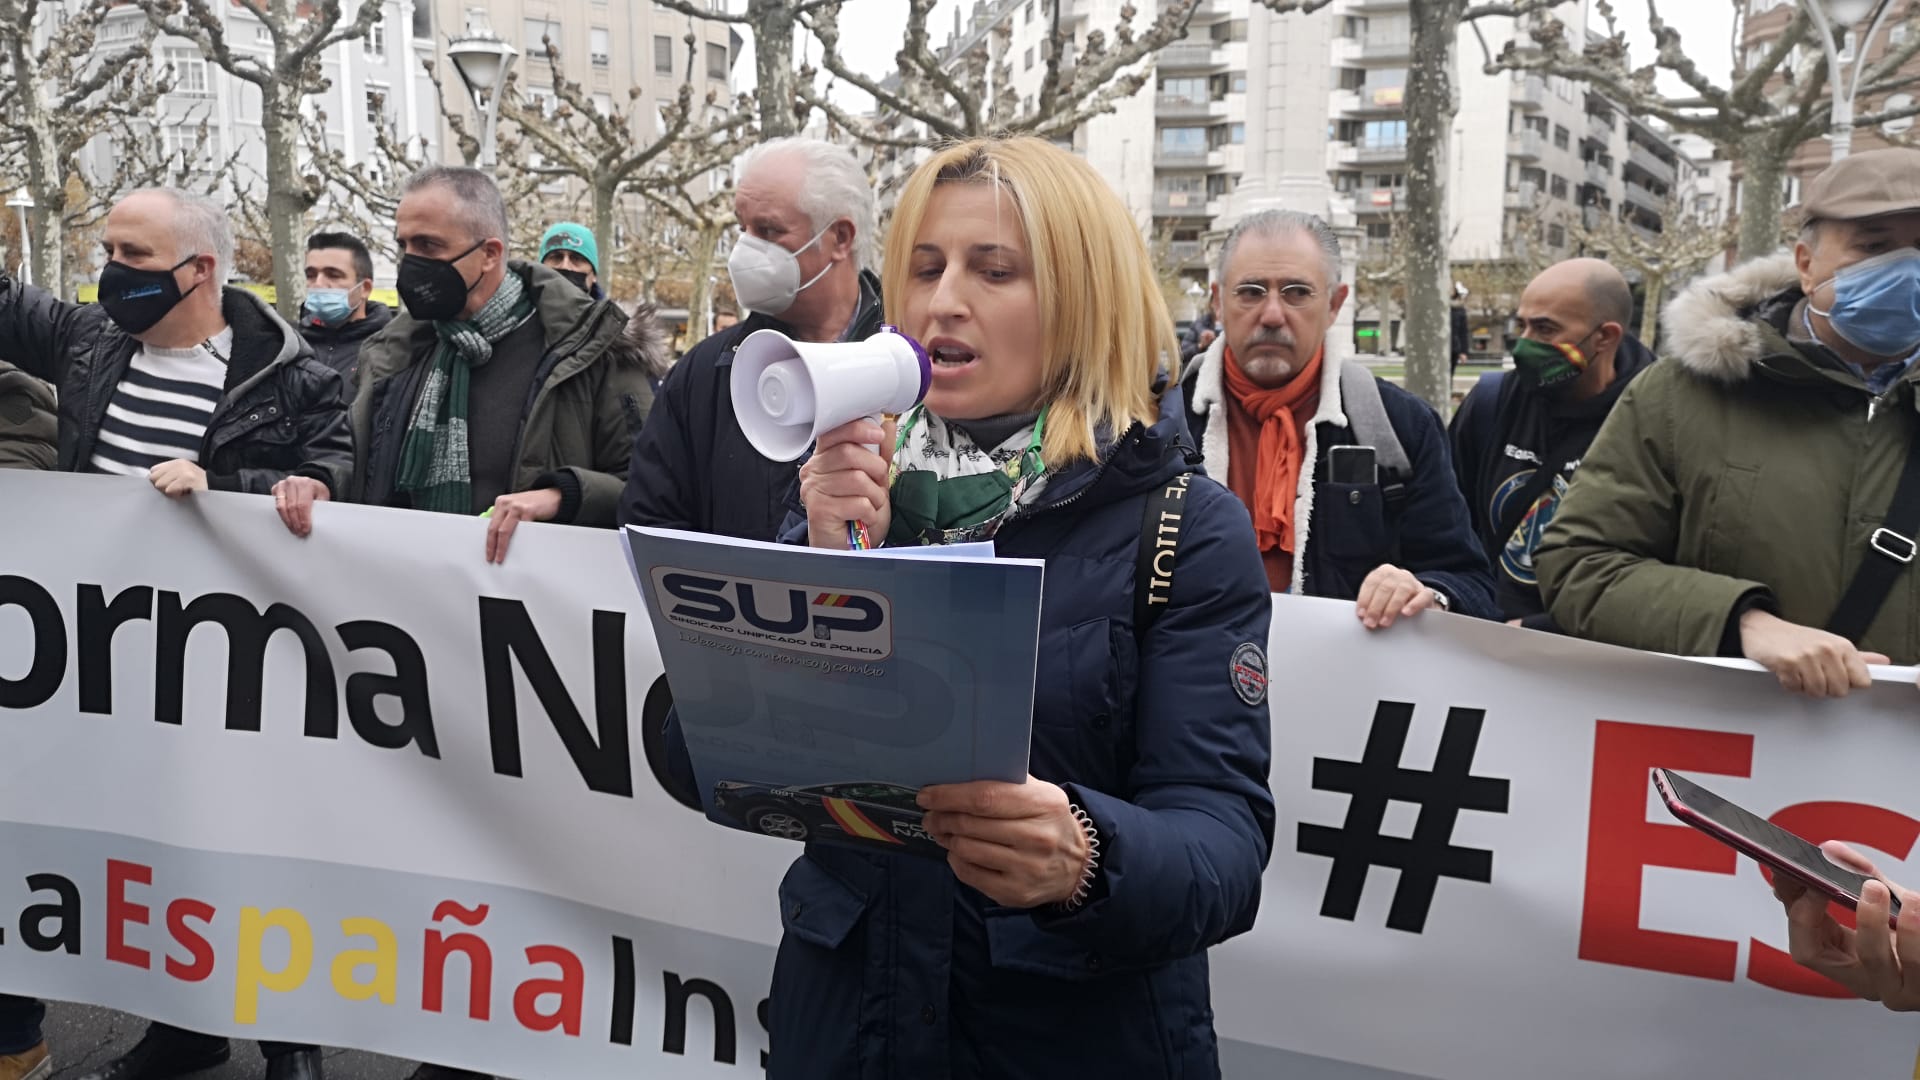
[1747,832]
[1352,465]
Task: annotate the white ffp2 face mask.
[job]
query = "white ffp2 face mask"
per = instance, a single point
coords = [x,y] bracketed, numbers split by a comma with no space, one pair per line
[766,276]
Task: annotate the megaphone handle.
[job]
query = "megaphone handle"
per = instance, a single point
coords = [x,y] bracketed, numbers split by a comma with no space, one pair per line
[857,530]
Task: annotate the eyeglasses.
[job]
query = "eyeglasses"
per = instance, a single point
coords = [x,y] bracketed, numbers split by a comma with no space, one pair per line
[1295,295]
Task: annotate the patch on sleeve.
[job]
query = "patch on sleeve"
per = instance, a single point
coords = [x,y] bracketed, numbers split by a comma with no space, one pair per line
[1250,673]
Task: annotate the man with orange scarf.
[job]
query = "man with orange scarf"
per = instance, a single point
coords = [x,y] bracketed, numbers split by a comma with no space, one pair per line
[1271,400]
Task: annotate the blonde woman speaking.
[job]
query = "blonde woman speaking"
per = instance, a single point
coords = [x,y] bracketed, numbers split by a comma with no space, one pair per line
[1067,935]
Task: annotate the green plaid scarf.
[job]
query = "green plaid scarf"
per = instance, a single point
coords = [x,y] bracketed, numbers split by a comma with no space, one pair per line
[434,466]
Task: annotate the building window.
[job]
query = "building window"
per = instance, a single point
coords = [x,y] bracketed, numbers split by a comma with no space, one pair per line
[189,72]
[1236,133]
[603,104]
[262,36]
[716,61]
[1029,11]
[599,45]
[1183,141]
[1383,134]
[662,54]
[539,32]
[1561,136]
[376,105]
[1556,236]
[1379,230]
[1559,187]
[1028,61]
[423,21]
[376,41]
[183,146]
[1235,30]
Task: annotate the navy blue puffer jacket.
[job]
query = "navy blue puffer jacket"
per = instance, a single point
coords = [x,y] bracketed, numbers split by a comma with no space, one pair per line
[890,968]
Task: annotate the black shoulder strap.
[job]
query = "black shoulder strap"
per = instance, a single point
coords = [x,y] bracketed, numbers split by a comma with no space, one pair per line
[1159,547]
[1889,550]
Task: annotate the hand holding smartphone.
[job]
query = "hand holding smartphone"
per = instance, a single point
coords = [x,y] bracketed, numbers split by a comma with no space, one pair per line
[1747,832]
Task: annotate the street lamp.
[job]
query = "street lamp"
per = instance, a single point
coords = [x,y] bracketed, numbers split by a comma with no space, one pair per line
[23,202]
[1845,14]
[483,61]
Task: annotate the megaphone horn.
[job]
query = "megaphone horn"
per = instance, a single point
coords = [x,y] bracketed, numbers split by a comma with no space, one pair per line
[788,393]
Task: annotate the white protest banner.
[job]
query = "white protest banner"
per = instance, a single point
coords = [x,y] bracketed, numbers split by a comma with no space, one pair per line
[366,790]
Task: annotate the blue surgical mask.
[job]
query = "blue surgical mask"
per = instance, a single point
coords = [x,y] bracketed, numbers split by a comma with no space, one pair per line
[329,307]
[1876,303]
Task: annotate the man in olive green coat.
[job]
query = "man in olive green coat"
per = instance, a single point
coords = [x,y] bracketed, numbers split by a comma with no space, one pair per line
[501,390]
[1734,493]
[29,427]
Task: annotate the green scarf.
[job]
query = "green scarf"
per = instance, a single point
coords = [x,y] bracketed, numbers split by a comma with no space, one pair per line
[948,490]
[434,466]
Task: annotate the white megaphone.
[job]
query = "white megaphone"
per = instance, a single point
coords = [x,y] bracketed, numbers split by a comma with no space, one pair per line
[788,393]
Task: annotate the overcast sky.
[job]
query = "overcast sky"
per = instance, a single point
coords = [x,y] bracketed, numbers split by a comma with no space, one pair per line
[871,31]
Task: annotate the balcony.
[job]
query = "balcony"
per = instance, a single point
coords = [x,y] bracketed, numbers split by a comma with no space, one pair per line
[1600,129]
[1180,204]
[1525,145]
[1599,175]
[1370,101]
[1642,196]
[1645,158]
[1525,197]
[1385,49]
[1374,153]
[1360,7]
[1182,107]
[1186,252]
[1529,94]
[1379,200]
[1191,56]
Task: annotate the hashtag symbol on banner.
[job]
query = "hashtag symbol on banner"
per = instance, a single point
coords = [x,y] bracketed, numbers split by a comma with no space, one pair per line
[1377,779]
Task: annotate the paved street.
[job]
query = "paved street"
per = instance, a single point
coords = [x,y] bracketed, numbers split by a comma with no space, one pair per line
[84,1037]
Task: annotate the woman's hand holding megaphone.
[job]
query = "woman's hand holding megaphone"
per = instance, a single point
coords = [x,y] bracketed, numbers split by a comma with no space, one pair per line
[845,480]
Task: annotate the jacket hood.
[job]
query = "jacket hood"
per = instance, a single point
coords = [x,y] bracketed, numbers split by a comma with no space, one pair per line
[1142,458]
[1714,328]
[648,339]
[262,340]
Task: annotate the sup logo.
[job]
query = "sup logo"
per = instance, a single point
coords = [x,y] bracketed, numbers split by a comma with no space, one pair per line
[853,624]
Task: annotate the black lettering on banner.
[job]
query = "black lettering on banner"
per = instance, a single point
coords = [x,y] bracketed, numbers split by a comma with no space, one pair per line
[506,635]
[49,667]
[248,631]
[67,910]
[99,620]
[1429,854]
[621,1033]
[407,684]
[674,1040]
[761,1012]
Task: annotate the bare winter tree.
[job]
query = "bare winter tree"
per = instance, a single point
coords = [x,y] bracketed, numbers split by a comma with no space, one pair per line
[703,212]
[960,96]
[1432,100]
[771,24]
[301,32]
[1665,260]
[56,99]
[1766,113]
[596,145]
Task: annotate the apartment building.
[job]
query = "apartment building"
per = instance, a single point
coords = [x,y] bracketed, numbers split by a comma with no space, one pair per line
[1761,24]
[380,81]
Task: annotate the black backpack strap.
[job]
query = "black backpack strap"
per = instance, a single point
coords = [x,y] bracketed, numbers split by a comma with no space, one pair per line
[1159,548]
[1889,550]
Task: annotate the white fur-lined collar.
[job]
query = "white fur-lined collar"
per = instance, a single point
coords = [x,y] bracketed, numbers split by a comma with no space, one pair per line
[1705,328]
[1210,388]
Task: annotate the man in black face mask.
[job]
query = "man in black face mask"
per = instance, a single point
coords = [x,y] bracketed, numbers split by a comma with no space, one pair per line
[189,386]
[502,390]
[1519,436]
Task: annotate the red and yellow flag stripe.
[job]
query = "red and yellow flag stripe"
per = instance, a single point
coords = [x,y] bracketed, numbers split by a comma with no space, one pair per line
[855,823]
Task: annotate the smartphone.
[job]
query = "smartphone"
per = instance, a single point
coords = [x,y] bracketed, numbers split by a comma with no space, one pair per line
[1751,834]
[1352,465]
